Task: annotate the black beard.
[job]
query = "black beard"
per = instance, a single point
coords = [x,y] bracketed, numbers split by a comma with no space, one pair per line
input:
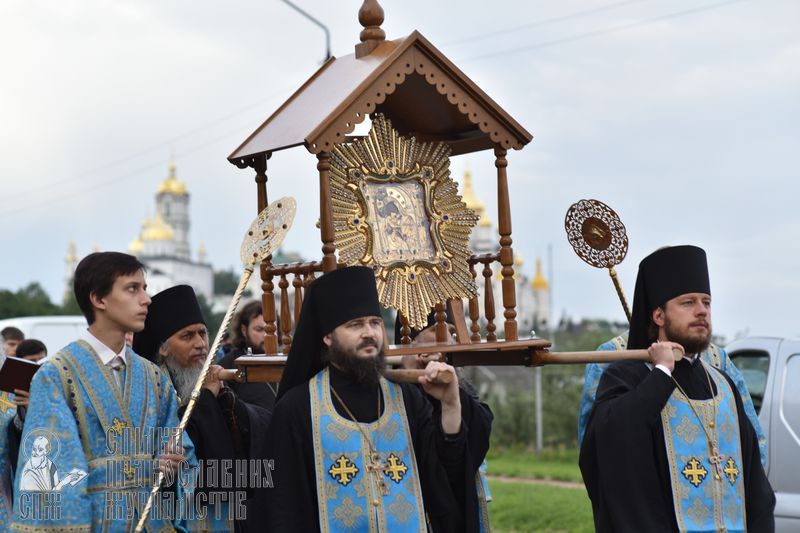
[691,344]
[363,370]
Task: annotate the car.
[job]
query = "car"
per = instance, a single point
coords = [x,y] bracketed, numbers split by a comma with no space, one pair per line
[54,331]
[771,368]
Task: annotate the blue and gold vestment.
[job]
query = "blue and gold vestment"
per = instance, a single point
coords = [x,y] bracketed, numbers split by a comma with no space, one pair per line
[110,434]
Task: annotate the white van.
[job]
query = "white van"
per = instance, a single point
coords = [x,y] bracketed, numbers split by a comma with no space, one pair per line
[54,331]
[771,368]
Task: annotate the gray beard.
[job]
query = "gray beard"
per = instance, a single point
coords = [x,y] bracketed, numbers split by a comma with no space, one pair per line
[183,378]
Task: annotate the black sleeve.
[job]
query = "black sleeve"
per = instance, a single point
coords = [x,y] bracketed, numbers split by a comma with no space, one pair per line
[621,443]
[440,459]
[291,504]
[208,429]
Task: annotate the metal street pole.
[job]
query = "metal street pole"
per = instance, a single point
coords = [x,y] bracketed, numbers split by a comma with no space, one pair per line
[316,22]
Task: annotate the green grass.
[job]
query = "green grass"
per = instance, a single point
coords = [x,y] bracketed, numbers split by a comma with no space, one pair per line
[561,465]
[520,507]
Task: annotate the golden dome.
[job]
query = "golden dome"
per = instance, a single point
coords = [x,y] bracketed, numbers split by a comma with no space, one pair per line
[539,282]
[72,252]
[472,201]
[136,246]
[172,185]
[157,230]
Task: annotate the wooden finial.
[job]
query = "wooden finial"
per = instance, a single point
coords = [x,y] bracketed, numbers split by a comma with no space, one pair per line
[371,17]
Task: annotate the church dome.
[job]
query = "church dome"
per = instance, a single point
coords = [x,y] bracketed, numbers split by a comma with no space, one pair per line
[172,185]
[472,201]
[157,230]
[136,246]
[539,281]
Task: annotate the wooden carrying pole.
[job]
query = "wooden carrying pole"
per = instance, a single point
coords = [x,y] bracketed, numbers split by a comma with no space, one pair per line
[398,375]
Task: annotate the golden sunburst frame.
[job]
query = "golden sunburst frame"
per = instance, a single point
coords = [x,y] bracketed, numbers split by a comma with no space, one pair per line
[396,209]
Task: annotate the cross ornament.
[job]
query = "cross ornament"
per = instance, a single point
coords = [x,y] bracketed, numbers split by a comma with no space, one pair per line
[376,467]
[716,459]
[343,470]
[5,404]
[117,426]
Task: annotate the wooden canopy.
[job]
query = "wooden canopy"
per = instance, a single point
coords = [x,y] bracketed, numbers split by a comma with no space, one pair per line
[408,80]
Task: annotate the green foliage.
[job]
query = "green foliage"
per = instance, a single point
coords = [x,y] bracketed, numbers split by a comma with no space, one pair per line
[515,414]
[28,301]
[227,281]
[559,464]
[213,320]
[520,507]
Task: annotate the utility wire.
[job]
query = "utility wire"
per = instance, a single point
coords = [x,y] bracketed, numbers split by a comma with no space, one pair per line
[116,179]
[158,146]
[605,31]
[543,22]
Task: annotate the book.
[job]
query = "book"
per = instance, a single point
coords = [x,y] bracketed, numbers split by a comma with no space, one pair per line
[17,374]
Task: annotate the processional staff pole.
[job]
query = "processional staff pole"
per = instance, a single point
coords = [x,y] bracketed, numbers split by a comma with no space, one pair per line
[265,234]
[598,236]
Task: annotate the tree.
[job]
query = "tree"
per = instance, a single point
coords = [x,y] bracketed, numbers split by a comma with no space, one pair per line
[30,300]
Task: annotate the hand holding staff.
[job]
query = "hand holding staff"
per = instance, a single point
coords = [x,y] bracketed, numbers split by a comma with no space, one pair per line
[264,235]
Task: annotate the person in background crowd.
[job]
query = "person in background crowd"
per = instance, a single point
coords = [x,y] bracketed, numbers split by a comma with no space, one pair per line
[11,338]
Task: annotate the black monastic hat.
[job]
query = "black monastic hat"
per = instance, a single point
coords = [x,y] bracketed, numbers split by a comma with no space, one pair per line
[170,311]
[663,275]
[330,301]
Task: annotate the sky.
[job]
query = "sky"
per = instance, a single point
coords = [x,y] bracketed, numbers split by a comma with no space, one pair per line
[679,114]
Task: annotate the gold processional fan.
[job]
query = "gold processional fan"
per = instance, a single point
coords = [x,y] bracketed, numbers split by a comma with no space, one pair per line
[598,236]
[264,236]
[397,210]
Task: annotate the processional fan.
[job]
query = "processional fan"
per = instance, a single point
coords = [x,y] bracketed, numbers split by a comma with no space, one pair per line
[387,201]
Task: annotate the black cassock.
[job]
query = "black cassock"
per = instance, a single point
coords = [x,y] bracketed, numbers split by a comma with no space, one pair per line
[624,461]
[447,465]
[226,428]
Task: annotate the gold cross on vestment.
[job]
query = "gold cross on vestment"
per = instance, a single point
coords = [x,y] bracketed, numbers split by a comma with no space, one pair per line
[117,426]
[5,404]
[396,469]
[128,470]
[343,470]
[694,472]
[731,470]
[716,460]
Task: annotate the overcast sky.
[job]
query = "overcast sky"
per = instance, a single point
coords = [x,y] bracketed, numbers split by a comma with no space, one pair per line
[680,114]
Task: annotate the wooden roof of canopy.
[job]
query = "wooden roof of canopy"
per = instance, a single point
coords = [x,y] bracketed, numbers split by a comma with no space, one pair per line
[410,81]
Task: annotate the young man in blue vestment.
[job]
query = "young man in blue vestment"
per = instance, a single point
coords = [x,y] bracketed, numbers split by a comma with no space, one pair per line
[101,421]
[668,445]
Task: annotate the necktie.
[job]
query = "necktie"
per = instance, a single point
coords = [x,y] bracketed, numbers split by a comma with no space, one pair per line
[118,367]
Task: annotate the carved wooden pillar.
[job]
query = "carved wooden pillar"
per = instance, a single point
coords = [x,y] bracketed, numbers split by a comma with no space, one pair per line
[474,310]
[326,212]
[286,318]
[267,297]
[405,330]
[488,302]
[506,253]
[441,322]
[297,283]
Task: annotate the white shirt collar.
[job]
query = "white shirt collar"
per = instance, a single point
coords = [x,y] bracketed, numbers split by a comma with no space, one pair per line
[105,353]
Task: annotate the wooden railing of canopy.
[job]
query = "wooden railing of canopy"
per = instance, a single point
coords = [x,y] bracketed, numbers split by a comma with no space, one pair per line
[291,280]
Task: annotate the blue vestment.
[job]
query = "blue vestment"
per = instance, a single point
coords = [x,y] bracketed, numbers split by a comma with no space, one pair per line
[8,409]
[713,355]
[87,450]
